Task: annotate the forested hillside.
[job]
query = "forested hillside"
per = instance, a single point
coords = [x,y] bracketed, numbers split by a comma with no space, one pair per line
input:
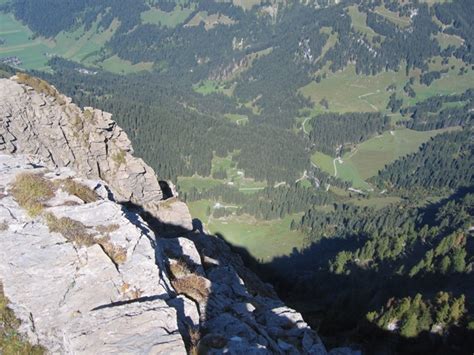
[330,142]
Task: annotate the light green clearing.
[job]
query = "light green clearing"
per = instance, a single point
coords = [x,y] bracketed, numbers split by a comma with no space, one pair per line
[331,41]
[348,92]
[117,65]
[376,202]
[345,171]
[220,163]
[200,183]
[207,87]
[324,162]
[393,17]
[236,177]
[198,209]
[246,4]
[449,83]
[305,183]
[18,43]
[367,158]
[446,40]
[264,240]
[171,19]
[372,155]
[236,118]
[348,171]
[80,46]
[210,21]
[359,22]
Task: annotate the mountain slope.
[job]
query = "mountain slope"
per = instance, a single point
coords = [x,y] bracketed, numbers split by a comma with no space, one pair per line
[79,268]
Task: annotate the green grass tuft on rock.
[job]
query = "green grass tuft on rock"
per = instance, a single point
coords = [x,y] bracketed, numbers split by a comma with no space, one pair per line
[31,191]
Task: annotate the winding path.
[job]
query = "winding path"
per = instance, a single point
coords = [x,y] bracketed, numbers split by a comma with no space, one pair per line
[340,161]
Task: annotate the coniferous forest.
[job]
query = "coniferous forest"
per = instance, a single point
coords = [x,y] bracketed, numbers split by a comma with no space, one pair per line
[347,125]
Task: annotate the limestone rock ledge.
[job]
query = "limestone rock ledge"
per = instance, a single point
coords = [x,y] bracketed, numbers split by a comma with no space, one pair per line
[91,276]
[76,299]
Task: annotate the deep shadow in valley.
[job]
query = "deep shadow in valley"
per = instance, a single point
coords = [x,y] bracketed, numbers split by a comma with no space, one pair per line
[222,320]
[336,305]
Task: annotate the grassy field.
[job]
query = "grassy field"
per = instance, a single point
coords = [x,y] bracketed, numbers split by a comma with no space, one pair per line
[167,19]
[210,21]
[324,162]
[264,240]
[372,155]
[446,40]
[375,202]
[117,65]
[448,84]
[348,92]
[348,171]
[235,178]
[18,43]
[369,157]
[246,4]
[207,87]
[79,45]
[331,41]
[198,209]
[359,22]
[393,17]
[200,183]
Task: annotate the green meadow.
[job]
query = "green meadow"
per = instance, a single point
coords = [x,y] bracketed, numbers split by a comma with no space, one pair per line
[78,45]
[346,91]
[367,158]
[171,19]
[19,42]
[264,240]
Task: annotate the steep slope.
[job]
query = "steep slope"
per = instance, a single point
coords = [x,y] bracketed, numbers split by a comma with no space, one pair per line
[86,274]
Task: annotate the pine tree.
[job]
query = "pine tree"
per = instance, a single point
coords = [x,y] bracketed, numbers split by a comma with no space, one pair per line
[410,328]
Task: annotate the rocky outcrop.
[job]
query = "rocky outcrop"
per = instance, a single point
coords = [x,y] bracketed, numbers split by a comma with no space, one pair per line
[38,120]
[73,298]
[85,274]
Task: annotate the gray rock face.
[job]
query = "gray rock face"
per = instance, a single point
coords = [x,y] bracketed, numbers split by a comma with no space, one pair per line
[133,287]
[76,299]
[62,134]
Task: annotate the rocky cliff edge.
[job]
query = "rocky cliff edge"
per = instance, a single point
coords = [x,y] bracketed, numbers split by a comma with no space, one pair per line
[85,273]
